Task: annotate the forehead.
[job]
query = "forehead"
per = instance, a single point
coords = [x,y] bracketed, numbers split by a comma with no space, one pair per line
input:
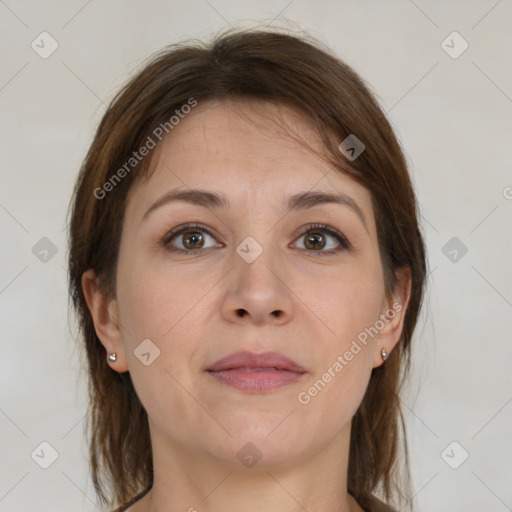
[256,153]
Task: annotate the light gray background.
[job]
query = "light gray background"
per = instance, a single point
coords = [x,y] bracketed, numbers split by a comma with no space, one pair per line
[453,116]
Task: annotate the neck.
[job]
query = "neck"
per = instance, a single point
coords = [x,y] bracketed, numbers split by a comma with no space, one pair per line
[185,480]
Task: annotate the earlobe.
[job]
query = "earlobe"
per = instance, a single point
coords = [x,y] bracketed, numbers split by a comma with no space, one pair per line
[104,315]
[393,315]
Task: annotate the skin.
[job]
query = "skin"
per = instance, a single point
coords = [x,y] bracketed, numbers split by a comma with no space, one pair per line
[187,306]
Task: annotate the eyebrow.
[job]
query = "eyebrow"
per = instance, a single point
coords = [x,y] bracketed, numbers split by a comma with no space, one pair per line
[301,201]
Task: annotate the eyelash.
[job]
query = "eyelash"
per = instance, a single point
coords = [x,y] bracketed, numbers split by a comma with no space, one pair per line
[166,240]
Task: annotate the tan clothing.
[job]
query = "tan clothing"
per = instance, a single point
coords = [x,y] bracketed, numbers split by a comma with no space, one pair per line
[369,504]
[122,508]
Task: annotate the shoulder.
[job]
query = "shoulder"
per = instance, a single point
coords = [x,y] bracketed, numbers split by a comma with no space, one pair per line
[127,507]
[124,508]
[370,503]
[132,505]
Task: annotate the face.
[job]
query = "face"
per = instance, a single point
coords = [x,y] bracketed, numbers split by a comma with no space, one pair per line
[263,270]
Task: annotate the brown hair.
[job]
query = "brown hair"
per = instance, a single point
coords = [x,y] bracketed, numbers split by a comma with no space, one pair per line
[272,67]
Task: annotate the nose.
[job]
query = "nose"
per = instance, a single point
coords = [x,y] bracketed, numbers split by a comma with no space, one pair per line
[259,292]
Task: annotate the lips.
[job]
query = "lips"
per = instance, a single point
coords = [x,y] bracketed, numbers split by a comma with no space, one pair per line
[256,373]
[266,360]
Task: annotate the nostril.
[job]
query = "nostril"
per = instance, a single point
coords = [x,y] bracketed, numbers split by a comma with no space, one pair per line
[241,312]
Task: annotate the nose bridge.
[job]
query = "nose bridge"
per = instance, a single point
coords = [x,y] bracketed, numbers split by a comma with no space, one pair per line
[257,262]
[258,286]
[258,242]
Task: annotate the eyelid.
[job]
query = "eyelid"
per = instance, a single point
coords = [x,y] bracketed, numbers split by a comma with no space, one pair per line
[344,243]
[166,240]
[342,239]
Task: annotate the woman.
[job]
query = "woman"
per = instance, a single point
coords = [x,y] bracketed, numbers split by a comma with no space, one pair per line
[246,263]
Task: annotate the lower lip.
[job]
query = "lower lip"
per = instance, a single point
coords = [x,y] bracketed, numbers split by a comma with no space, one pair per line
[256,380]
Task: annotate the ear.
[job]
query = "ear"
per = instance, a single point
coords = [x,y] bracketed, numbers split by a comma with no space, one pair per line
[104,313]
[392,315]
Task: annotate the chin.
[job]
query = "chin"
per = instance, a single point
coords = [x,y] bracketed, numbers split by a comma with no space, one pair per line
[258,445]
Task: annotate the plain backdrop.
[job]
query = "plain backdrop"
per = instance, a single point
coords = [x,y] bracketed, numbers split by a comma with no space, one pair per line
[451,107]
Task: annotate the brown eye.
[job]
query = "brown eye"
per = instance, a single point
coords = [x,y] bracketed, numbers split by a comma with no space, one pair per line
[189,239]
[314,241]
[193,240]
[317,238]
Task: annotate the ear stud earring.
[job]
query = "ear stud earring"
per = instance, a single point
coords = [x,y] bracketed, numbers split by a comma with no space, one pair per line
[112,357]
[384,354]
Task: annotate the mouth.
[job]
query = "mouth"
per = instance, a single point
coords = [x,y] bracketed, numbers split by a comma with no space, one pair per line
[256,373]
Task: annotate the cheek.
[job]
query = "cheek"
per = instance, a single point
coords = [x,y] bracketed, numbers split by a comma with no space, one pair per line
[169,306]
[159,307]
[347,302]
[155,300]
[349,307]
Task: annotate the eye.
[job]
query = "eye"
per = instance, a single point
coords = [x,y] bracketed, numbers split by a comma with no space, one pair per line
[190,236]
[315,239]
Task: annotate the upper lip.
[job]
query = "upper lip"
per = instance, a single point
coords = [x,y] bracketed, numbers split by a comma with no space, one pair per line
[250,360]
